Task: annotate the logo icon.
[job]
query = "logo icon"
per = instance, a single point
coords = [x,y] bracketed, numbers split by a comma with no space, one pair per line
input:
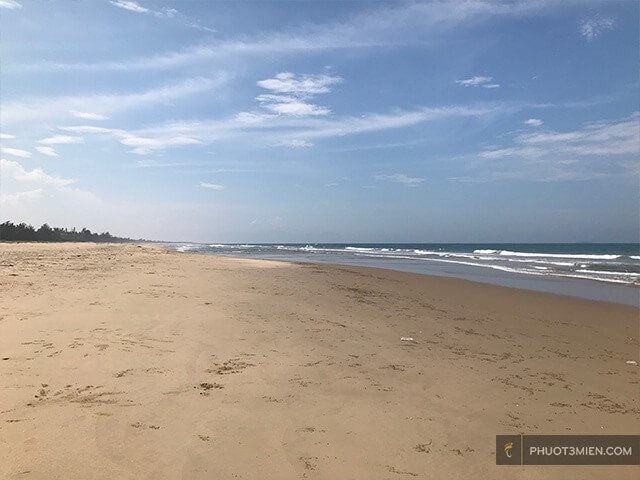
[508,447]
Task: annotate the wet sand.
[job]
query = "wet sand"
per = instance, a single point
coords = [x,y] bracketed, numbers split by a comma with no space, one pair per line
[132,362]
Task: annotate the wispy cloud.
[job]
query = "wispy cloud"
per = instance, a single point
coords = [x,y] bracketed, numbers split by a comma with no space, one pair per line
[598,150]
[164,12]
[372,122]
[16,152]
[410,23]
[280,130]
[10,4]
[294,144]
[211,186]
[88,115]
[6,136]
[533,122]
[42,109]
[283,105]
[484,82]
[593,27]
[401,178]
[146,145]
[143,142]
[61,140]
[50,152]
[128,5]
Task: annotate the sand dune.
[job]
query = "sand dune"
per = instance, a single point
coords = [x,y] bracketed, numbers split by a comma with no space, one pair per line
[132,362]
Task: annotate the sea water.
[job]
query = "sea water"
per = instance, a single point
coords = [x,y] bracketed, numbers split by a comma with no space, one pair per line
[609,272]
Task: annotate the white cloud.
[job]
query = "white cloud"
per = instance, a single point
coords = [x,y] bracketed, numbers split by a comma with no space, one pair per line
[164,12]
[145,145]
[294,144]
[597,150]
[47,151]
[332,184]
[484,82]
[6,136]
[291,93]
[129,5]
[142,142]
[211,186]
[43,109]
[401,178]
[21,197]
[10,4]
[61,140]
[37,176]
[290,106]
[377,122]
[16,152]
[248,118]
[88,115]
[278,130]
[395,24]
[533,122]
[299,85]
[54,194]
[88,129]
[592,28]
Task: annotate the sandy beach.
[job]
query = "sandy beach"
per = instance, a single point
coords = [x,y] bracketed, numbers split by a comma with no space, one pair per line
[135,362]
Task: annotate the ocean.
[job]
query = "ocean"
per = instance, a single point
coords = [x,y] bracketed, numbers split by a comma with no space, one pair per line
[597,271]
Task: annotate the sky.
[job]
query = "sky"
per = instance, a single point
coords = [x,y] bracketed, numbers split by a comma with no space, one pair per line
[444,121]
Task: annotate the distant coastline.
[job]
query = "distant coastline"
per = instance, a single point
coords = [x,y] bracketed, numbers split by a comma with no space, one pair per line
[22,232]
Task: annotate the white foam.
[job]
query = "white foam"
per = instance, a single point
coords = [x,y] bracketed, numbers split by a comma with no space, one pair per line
[558,255]
[606,272]
[585,275]
[360,249]
[186,248]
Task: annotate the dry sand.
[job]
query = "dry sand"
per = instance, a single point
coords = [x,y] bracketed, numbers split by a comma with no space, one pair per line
[128,362]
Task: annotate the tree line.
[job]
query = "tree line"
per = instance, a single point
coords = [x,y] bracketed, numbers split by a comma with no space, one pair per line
[22,232]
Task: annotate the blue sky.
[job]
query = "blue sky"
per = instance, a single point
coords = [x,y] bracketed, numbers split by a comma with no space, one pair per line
[449,121]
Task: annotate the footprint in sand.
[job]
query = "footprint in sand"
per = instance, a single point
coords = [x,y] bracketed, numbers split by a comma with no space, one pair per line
[234,365]
[143,425]
[205,387]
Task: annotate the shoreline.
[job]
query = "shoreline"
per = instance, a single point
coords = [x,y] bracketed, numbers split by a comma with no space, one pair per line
[132,361]
[434,278]
[573,287]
